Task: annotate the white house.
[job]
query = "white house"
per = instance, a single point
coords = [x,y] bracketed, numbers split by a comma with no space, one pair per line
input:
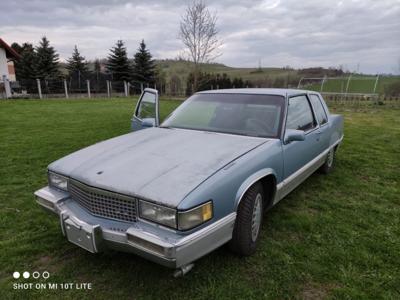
[7,71]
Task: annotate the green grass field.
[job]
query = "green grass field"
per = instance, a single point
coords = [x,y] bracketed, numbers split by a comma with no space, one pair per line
[358,84]
[336,236]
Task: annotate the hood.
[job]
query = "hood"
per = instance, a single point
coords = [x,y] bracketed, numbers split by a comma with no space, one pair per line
[159,164]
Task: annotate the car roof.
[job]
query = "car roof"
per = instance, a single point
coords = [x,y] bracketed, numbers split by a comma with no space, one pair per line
[259,91]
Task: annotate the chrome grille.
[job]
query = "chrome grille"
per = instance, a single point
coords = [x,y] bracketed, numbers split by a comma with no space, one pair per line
[103,203]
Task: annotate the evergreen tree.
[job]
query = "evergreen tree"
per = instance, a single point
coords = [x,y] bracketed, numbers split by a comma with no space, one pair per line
[25,65]
[47,66]
[97,66]
[77,64]
[97,69]
[118,64]
[144,65]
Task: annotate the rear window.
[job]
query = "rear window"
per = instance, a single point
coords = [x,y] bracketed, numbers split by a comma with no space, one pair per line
[319,109]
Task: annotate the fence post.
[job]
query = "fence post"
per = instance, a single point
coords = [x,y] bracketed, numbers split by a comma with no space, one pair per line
[348,83]
[66,89]
[88,88]
[39,88]
[298,85]
[108,88]
[110,83]
[141,87]
[129,89]
[322,84]
[376,83]
[125,89]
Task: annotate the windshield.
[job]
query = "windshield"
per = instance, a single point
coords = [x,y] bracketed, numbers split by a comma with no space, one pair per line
[244,114]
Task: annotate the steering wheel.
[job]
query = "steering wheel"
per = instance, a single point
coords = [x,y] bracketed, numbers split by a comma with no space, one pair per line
[258,126]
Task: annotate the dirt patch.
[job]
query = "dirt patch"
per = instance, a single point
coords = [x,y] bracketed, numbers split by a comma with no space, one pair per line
[53,264]
[312,291]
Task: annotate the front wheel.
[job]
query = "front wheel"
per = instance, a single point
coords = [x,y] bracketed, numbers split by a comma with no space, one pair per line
[248,221]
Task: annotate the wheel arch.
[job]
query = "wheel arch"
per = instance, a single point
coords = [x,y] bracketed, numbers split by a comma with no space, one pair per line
[267,177]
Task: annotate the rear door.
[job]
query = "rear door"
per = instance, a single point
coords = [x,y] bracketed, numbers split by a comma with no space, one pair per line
[147,111]
[322,118]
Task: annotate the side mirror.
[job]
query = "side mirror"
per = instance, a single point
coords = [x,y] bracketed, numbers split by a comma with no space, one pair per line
[294,135]
[148,122]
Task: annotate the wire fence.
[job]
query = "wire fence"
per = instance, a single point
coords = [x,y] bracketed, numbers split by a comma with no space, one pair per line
[101,86]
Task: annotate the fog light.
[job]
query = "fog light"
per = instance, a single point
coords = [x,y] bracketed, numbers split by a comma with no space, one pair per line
[46,203]
[146,244]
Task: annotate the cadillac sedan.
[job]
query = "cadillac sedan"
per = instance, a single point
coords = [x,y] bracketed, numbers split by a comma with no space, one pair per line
[175,191]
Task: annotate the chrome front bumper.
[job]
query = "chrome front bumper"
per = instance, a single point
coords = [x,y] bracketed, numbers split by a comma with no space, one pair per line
[150,241]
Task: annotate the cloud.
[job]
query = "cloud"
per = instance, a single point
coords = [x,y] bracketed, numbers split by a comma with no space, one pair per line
[277,32]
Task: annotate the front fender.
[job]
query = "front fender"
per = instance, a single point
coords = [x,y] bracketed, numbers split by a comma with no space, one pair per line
[250,181]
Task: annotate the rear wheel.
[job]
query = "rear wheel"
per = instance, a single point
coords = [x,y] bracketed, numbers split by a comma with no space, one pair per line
[248,221]
[329,164]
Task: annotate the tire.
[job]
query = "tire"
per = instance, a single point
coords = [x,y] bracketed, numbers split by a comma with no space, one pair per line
[248,221]
[329,163]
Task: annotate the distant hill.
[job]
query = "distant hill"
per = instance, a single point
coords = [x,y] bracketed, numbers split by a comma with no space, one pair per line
[282,77]
[183,68]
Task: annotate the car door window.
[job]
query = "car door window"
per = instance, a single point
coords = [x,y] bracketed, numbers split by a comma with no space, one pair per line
[147,107]
[300,116]
[319,109]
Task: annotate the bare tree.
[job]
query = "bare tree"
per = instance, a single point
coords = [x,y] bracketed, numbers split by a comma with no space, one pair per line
[198,32]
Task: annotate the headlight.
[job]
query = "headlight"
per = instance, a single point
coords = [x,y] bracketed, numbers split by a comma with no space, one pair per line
[195,217]
[158,214]
[58,181]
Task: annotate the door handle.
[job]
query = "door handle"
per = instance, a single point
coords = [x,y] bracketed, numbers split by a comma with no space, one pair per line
[318,134]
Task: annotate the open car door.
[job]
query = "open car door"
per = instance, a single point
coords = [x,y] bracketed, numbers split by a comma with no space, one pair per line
[146,112]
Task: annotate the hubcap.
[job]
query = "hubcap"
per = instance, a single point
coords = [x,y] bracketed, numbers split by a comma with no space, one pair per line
[256,218]
[330,158]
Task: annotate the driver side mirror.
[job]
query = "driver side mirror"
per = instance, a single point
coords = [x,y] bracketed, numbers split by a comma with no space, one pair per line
[148,122]
[292,135]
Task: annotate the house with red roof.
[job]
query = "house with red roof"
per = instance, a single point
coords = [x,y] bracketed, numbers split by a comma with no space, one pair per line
[7,70]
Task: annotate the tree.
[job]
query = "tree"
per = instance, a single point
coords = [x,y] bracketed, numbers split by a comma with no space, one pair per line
[77,67]
[25,65]
[144,65]
[97,68]
[118,64]
[47,66]
[77,63]
[198,32]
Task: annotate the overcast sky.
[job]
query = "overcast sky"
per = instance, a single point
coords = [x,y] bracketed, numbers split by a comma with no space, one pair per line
[364,33]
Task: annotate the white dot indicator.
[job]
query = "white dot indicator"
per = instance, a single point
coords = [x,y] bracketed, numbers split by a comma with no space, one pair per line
[16,275]
[36,274]
[26,275]
[46,274]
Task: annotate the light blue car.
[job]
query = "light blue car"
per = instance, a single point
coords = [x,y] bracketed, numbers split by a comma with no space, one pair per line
[178,190]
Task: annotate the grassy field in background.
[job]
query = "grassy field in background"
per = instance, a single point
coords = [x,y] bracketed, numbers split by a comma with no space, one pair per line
[336,236]
[183,68]
[358,84]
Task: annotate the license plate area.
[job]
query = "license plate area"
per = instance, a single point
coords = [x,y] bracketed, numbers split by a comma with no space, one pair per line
[82,234]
